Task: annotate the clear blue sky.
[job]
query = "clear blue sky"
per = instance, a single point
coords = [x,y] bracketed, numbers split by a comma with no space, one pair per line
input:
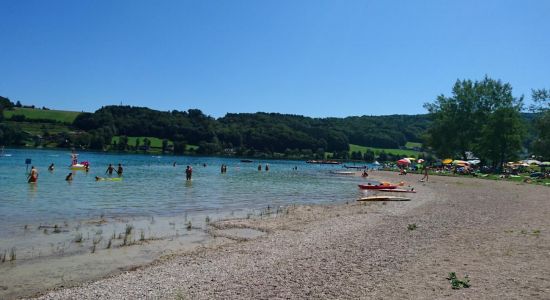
[316,58]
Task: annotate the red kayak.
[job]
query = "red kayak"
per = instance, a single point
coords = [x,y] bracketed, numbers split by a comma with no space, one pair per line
[377,187]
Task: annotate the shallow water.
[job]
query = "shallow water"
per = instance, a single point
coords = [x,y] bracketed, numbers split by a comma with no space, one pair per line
[43,220]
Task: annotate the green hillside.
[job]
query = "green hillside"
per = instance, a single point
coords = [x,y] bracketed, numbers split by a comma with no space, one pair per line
[398,152]
[34,113]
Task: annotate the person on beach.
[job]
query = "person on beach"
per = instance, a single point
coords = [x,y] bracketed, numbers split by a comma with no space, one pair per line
[51,167]
[188,173]
[110,169]
[69,177]
[425,177]
[365,174]
[33,175]
[119,170]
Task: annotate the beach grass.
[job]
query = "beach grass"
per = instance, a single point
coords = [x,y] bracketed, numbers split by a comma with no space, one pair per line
[35,113]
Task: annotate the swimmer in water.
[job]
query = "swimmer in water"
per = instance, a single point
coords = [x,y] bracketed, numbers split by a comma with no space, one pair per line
[33,175]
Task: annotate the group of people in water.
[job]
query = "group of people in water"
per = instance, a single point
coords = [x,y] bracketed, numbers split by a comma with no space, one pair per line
[33,174]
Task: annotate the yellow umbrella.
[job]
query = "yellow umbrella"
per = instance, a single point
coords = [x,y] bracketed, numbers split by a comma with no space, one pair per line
[447,161]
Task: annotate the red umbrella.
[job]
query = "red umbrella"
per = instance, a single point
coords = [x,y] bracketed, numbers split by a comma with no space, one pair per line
[404,161]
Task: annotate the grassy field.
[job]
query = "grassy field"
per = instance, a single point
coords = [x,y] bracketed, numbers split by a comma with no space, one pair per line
[155,142]
[39,128]
[399,152]
[413,145]
[32,113]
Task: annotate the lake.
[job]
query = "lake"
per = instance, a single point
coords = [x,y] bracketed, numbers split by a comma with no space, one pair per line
[42,222]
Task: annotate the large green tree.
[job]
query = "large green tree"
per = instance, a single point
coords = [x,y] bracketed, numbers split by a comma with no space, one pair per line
[541,145]
[461,123]
[501,137]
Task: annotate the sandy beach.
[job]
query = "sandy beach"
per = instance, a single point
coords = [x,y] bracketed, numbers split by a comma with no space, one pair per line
[496,233]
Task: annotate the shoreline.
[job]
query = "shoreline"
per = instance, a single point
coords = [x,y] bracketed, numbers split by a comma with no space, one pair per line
[495,232]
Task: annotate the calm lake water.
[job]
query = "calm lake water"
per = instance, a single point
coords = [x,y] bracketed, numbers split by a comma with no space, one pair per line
[68,232]
[152,186]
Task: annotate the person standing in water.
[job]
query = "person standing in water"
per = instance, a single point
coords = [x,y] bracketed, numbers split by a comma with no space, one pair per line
[266,167]
[74,158]
[69,177]
[119,170]
[259,167]
[110,169]
[188,173]
[33,175]
[51,167]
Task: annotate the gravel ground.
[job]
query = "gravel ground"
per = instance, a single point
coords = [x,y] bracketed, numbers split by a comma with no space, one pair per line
[495,232]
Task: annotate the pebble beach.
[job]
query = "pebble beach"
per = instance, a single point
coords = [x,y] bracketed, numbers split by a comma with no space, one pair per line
[495,233]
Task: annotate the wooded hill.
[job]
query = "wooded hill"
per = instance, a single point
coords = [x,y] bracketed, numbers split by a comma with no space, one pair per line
[265,132]
[237,133]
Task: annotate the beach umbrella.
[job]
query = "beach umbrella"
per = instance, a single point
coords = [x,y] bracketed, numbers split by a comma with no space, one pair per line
[447,161]
[460,163]
[546,163]
[531,162]
[474,161]
[420,161]
[376,163]
[410,158]
[404,161]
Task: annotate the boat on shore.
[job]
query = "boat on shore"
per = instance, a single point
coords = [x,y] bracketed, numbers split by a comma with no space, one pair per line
[376,187]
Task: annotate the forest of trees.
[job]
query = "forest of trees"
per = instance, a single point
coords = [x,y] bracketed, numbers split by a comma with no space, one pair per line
[250,133]
[480,118]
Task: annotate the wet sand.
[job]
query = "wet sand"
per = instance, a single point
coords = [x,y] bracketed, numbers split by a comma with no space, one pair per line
[495,232]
